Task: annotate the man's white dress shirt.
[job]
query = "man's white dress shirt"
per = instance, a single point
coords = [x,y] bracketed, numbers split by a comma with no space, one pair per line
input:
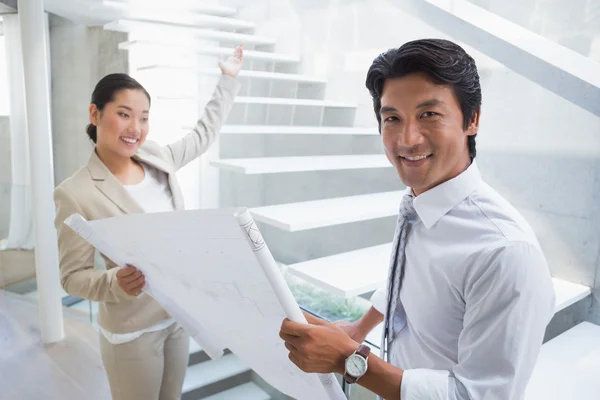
[477,295]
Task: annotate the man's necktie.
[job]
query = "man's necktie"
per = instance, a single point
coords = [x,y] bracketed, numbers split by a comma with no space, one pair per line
[392,324]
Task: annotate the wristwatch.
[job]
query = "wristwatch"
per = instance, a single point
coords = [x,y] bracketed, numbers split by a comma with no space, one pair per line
[356,364]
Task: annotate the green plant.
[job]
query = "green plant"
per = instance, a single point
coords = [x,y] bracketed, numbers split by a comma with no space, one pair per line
[325,304]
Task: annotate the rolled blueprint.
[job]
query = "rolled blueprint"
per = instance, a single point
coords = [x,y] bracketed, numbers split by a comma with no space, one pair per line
[281,289]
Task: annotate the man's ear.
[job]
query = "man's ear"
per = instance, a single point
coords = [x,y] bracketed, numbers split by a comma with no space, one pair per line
[473,127]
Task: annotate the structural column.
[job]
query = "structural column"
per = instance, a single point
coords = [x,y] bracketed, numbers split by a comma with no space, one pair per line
[35,60]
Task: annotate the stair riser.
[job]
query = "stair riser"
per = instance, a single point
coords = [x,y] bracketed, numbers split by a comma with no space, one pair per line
[217,387]
[262,114]
[201,356]
[246,146]
[273,189]
[146,54]
[153,80]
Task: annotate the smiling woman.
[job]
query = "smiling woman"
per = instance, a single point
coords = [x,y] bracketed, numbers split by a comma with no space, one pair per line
[144,351]
[118,126]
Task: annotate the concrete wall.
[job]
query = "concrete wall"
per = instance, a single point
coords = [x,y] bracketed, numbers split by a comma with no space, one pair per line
[80,57]
[538,150]
[8,6]
[5,175]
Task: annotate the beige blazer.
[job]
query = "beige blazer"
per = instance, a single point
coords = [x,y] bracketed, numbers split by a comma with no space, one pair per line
[95,193]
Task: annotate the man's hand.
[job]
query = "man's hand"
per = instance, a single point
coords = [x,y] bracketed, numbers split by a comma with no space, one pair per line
[318,346]
[232,65]
[131,280]
[352,329]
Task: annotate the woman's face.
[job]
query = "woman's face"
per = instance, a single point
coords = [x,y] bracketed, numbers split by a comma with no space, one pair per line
[122,125]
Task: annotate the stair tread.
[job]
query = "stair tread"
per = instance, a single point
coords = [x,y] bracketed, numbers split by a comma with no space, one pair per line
[297,130]
[268,165]
[191,45]
[194,347]
[567,293]
[293,102]
[190,6]
[272,101]
[244,73]
[205,373]
[567,366]
[345,274]
[321,213]
[199,16]
[153,29]
[247,391]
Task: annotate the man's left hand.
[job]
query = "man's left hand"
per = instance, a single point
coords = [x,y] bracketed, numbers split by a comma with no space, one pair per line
[318,346]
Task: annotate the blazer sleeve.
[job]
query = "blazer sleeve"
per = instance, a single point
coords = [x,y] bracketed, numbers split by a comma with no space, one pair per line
[208,126]
[76,258]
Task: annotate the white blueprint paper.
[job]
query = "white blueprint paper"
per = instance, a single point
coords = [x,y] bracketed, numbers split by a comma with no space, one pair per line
[211,270]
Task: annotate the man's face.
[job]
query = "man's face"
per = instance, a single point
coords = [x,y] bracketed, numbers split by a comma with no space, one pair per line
[422,131]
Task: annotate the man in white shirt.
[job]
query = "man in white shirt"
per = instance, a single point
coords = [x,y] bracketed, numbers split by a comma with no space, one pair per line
[473,289]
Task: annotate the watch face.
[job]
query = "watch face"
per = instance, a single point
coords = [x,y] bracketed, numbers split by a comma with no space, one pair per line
[356,365]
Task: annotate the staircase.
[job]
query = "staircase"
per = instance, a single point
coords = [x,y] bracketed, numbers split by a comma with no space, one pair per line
[278,103]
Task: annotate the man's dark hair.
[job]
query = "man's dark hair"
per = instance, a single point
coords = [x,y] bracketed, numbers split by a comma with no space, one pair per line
[444,62]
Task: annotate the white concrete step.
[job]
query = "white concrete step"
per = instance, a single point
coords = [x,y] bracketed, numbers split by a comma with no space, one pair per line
[206,373]
[292,102]
[200,17]
[191,46]
[568,365]
[275,76]
[189,6]
[321,213]
[347,274]
[194,347]
[272,165]
[295,130]
[247,391]
[154,30]
[365,270]
[567,293]
[268,101]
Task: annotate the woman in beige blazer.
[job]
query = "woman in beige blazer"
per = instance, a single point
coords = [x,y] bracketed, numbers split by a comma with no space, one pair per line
[144,351]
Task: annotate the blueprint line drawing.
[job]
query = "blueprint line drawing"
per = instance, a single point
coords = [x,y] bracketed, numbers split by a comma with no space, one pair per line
[212,271]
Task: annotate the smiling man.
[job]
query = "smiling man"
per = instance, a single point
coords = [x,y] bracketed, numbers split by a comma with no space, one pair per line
[469,293]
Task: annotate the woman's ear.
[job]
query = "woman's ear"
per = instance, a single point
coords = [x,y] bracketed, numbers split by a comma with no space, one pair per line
[94,115]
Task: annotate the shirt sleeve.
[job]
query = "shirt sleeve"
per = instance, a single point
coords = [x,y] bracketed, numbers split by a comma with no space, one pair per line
[379,300]
[509,300]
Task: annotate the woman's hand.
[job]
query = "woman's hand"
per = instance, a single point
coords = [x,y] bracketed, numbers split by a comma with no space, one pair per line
[232,65]
[131,280]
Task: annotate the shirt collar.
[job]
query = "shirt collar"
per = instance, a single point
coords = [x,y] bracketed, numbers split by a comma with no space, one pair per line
[436,202]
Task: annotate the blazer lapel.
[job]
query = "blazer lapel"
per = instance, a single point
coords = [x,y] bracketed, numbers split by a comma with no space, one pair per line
[111,187]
